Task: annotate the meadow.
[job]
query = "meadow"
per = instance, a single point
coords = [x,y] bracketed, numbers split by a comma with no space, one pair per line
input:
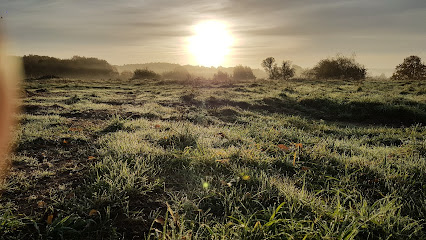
[259,159]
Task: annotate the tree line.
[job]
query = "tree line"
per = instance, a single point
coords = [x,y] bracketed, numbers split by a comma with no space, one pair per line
[181,73]
[341,67]
[77,67]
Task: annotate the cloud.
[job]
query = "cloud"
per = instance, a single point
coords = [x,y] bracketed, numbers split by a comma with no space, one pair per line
[291,28]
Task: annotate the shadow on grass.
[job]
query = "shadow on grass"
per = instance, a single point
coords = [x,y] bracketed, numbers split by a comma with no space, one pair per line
[394,113]
[366,112]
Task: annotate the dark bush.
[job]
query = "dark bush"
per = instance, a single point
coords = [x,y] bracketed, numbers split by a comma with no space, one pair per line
[411,68]
[243,73]
[145,74]
[339,67]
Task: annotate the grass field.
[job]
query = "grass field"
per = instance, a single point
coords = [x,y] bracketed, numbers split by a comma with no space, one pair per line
[145,159]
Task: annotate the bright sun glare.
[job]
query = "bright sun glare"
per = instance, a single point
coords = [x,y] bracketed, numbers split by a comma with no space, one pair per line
[211,43]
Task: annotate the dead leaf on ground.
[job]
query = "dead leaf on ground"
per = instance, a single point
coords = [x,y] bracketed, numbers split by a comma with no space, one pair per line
[283,147]
[94,212]
[41,204]
[223,161]
[49,219]
[75,129]
[299,146]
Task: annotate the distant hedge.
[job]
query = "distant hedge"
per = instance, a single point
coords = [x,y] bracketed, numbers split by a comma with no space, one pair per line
[145,74]
[77,67]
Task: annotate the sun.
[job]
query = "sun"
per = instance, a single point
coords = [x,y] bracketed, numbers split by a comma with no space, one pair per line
[210,43]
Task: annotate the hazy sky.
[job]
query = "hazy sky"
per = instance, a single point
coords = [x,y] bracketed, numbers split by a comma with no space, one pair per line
[380,32]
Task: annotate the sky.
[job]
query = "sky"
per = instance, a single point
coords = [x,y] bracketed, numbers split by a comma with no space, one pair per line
[380,33]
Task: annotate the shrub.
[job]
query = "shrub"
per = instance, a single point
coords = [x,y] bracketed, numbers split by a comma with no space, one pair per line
[179,73]
[285,71]
[126,75]
[411,68]
[221,76]
[242,73]
[145,74]
[339,67]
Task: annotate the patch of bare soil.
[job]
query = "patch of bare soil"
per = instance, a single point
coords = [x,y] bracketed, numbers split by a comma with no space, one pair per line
[40,110]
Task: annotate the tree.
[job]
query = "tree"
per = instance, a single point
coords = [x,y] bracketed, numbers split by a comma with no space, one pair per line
[242,73]
[270,66]
[286,70]
[411,68]
[339,67]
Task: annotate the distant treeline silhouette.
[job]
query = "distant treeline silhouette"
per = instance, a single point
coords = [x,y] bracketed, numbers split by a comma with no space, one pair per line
[168,68]
[36,66]
[77,67]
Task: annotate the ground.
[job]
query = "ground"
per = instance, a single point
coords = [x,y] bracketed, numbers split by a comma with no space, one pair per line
[259,159]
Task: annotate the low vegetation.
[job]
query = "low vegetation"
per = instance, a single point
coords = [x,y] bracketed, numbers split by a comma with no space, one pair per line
[145,74]
[256,159]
